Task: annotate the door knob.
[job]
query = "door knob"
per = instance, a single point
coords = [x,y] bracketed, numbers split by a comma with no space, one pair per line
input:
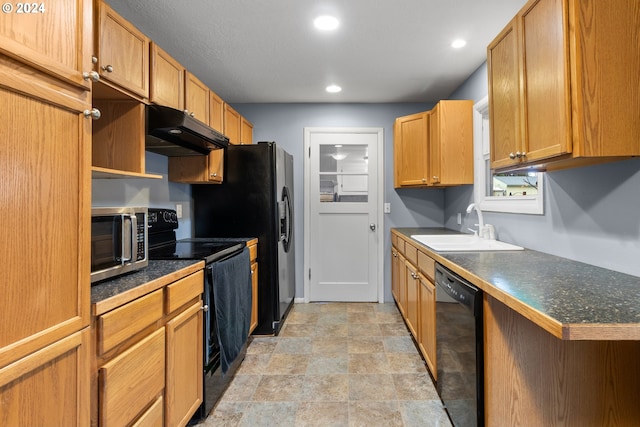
[372,226]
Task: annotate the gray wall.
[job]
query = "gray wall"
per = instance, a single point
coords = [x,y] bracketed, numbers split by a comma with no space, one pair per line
[284,123]
[592,214]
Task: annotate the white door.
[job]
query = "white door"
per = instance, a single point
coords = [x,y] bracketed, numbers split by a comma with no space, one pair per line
[343,258]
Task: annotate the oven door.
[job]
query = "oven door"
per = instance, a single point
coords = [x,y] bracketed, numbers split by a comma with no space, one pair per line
[211,344]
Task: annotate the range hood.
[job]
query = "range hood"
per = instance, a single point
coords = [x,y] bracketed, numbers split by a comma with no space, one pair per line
[171,132]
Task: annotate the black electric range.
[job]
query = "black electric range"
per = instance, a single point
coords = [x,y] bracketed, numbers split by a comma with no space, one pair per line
[208,249]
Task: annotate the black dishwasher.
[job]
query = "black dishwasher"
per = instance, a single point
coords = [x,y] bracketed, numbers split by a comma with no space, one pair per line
[459,348]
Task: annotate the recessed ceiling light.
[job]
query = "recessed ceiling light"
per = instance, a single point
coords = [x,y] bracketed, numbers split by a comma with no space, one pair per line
[333,89]
[457,44]
[326,23]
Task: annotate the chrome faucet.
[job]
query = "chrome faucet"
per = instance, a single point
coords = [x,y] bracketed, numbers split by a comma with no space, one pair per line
[480,224]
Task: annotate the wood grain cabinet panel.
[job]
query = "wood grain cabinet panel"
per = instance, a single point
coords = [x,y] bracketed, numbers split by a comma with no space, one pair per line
[410,150]
[184,290]
[246,131]
[232,124]
[153,417]
[427,323]
[121,323]
[556,97]
[183,394]
[197,98]
[56,41]
[166,79]
[122,51]
[132,381]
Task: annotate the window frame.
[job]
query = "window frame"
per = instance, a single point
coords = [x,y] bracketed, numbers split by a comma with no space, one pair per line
[533,205]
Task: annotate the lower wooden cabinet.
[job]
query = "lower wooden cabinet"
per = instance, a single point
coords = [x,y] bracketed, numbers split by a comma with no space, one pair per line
[149,356]
[132,381]
[413,288]
[50,387]
[427,328]
[183,395]
[253,255]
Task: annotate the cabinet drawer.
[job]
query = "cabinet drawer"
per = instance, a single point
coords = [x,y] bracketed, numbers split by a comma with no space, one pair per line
[121,323]
[394,240]
[427,265]
[153,417]
[132,380]
[411,253]
[184,290]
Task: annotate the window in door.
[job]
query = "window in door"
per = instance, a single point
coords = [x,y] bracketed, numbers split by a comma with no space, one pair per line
[344,173]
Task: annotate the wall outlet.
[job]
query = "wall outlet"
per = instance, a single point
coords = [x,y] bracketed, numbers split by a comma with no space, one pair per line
[387,208]
[459,218]
[179,210]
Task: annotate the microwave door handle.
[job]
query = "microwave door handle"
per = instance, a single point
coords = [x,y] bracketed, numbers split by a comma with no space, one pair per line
[126,239]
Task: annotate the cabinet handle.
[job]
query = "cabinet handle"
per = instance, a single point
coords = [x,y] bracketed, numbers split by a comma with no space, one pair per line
[91,75]
[94,113]
[395,254]
[204,308]
[435,178]
[512,156]
[214,174]
[94,60]
[108,68]
[192,114]
[424,179]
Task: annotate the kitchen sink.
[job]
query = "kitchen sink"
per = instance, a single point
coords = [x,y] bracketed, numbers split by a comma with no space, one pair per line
[462,243]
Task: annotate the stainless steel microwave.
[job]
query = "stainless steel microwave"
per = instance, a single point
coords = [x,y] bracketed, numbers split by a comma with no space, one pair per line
[118,241]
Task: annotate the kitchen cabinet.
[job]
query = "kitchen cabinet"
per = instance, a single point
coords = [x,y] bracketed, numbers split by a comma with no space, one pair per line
[246,131]
[197,98]
[167,79]
[253,256]
[57,42]
[45,163]
[121,52]
[451,143]
[232,124]
[148,359]
[410,150]
[413,288]
[435,147]
[556,97]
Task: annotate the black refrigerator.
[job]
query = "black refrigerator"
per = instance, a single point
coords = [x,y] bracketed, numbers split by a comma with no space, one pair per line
[256,200]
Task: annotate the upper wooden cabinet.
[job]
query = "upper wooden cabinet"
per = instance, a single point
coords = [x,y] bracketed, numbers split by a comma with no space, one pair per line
[435,148]
[216,112]
[451,143]
[166,79]
[122,52]
[410,150]
[246,131]
[232,124]
[197,98]
[55,41]
[557,97]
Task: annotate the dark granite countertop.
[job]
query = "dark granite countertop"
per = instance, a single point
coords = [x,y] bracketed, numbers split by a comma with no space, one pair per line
[128,282]
[581,299]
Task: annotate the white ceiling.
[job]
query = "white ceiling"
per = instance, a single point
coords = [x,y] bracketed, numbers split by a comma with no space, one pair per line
[260,51]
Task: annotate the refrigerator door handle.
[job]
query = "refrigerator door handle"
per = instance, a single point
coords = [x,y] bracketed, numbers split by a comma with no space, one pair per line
[284,208]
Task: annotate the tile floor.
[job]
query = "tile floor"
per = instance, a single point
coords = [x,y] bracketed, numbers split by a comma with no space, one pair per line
[333,364]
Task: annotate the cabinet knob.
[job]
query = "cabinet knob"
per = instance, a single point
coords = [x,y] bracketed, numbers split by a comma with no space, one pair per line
[91,75]
[214,174]
[204,308]
[435,178]
[424,179]
[192,114]
[108,68]
[94,113]
[94,60]
[512,156]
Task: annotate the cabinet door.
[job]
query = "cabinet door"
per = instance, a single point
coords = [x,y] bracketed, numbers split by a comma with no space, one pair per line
[231,124]
[123,52]
[504,97]
[197,98]
[395,274]
[246,131]
[427,328]
[166,79]
[545,75]
[412,298]
[183,394]
[434,145]
[216,112]
[55,40]
[45,162]
[411,150]
[50,387]
[132,381]
[402,285]
[254,296]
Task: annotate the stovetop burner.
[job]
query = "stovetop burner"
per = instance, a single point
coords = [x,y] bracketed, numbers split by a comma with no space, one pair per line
[208,249]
